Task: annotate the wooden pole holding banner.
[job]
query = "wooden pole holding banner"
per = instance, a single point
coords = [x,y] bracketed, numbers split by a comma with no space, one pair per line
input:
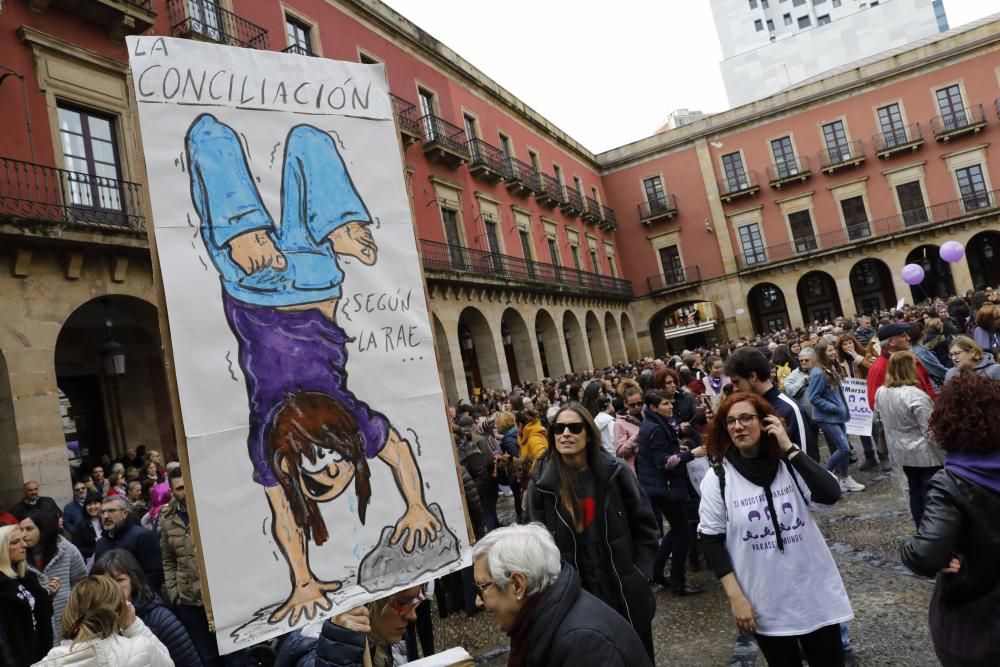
[180,436]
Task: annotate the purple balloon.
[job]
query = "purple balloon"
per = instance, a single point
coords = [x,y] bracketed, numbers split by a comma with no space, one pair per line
[912,274]
[952,251]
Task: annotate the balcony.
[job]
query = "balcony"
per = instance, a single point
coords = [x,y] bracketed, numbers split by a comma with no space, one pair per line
[444,142]
[593,210]
[207,20]
[31,191]
[407,119]
[673,279]
[550,191]
[299,50]
[486,161]
[970,206]
[520,177]
[460,264]
[740,185]
[572,202]
[792,170]
[958,123]
[906,139]
[610,222]
[657,209]
[845,155]
[121,17]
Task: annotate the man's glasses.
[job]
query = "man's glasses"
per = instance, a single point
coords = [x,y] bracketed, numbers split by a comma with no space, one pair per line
[403,605]
[634,404]
[576,428]
[482,588]
[114,511]
[745,420]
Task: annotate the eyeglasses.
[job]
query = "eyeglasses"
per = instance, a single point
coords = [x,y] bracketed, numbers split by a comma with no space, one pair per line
[482,588]
[634,404]
[405,605]
[576,428]
[954,354]
[745,420]
[103,512]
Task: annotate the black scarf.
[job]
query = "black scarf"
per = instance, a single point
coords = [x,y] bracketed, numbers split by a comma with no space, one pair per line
[519,633]
[760,471]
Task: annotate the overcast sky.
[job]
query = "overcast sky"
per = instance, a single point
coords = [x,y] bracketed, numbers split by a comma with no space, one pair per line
[607,73]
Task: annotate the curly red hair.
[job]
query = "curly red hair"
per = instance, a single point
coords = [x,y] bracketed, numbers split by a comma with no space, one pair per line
[965,417]
[717,438]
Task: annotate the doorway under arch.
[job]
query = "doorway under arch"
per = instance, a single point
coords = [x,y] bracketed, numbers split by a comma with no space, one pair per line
[938,281]
[982,253]
[549,346]
[768,310]
[818,297]
[871,286]
[479,358]
[517,348]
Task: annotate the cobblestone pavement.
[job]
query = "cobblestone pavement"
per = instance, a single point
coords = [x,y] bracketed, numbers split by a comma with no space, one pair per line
[863,530]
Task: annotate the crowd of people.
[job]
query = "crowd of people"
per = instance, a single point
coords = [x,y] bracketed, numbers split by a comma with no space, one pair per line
[621,479]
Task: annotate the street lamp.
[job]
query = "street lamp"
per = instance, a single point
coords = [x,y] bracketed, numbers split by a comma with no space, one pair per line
[987,249]
[505,334]
[113,354]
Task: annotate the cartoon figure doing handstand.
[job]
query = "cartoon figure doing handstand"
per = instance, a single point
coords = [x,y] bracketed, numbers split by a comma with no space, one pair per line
[309,436]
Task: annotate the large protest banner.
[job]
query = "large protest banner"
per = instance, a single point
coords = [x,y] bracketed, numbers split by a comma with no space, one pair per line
[856,394]
[316,438]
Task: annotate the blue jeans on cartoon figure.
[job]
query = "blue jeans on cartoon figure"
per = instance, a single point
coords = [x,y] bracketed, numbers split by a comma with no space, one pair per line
[317,198]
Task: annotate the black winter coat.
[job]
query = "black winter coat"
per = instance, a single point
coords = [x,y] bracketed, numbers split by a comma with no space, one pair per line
[627,523]
[27,640]
[141,543]
[85,538]
[571,627]
[657,442]
[163,623]
[960,517]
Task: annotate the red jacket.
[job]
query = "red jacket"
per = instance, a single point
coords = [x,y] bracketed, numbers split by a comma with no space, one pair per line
[876,378]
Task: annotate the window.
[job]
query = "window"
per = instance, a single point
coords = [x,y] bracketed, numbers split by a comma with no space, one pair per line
[836,3]
[952,108]
[787,18]
[802,231]
[818,2]
[533,158]
[298,37]
[450,219]
[505,146]
[611,263]
[911,203]
[471,131]
[752,244]
[736,175]
[579,186]
[784,157]
[775,323]
[575,251]
[90,154]
[815,286]
[525,237]
[837,147]
[890,120]
[758,25]
[823,20]
[972,186]
[770,25]
[657,198]
[426,100]
[557,173]
[804,22]
[493,239]
[596,195]
[594,262]
[770,297]
[855,217]
[204,16]
[553,251]
[763,4]
[798,3]
[753,4]
[670,260]
[368,60]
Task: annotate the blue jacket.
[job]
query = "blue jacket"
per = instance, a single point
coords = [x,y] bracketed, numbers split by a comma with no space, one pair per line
[828,403]
[72,516]
[657,442]
[163,623]
[934,367]
[139,542]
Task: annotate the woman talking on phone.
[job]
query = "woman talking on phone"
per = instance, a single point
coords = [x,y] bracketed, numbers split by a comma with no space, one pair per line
[761,541]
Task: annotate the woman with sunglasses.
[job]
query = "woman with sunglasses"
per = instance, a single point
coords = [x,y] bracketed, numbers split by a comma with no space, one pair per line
[761,540]
[360,637]
[600,518]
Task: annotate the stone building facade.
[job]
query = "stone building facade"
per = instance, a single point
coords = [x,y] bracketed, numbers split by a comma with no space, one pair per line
[540,257]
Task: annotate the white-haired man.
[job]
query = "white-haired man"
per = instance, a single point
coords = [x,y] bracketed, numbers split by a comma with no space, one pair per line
[539,602]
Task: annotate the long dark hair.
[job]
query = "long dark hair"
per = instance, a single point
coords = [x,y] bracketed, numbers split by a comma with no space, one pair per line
[48,537]
[590,395]
[119,561]
[718,441]
[567,477]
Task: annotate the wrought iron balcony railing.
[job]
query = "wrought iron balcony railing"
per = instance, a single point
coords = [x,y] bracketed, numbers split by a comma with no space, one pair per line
[907,137]
[610,219]
[972,204]
[407,117]
[544,277]
[654,209]
[486,161]
[550,191]
[444,141]
[206,19]
[593,209]
[674,277]
[846,154]
[788,171]
[34,191]
[298,50]
[572,201]
[958,122]
[521,176]
[738,185]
